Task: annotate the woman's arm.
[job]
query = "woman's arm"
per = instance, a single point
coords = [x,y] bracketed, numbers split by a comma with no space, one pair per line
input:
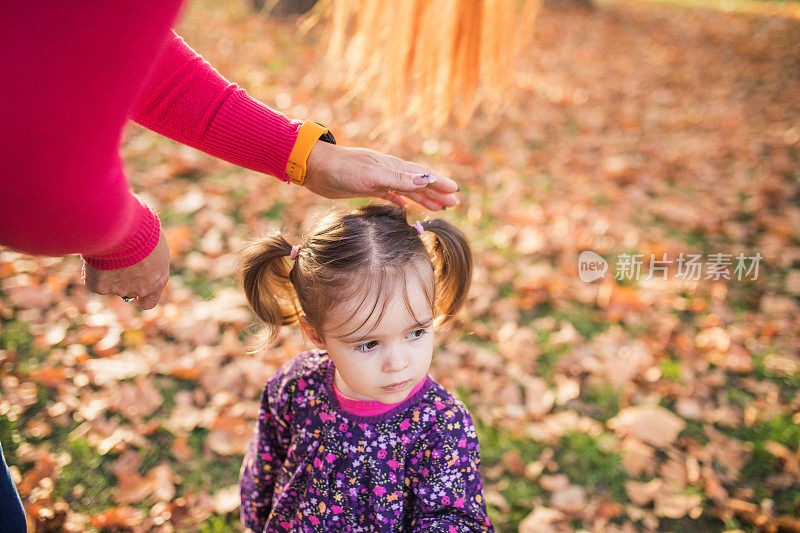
[185,99]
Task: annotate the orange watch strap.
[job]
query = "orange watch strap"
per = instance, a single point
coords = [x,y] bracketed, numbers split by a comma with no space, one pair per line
[307,136]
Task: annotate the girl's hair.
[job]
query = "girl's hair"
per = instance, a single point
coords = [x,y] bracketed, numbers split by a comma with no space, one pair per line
[364,254]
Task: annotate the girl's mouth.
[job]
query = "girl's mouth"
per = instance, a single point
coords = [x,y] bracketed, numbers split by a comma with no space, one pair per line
[397,386]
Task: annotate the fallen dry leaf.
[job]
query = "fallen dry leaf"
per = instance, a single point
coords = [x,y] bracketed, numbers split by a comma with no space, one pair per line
[226,500]
[570,499]
[643,493]
[651,424]
[117,517]
[229,435]
[554,483]
[678,505]
[541,520]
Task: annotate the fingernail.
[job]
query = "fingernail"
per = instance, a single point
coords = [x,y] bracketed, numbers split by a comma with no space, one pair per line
[424,179]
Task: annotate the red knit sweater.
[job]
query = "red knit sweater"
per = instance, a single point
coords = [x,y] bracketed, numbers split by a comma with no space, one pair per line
[75,72]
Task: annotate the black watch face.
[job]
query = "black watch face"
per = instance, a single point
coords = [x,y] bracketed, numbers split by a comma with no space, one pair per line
[327,137]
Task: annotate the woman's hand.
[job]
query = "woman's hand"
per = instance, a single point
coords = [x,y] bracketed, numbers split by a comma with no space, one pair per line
[145,280]
[342,172]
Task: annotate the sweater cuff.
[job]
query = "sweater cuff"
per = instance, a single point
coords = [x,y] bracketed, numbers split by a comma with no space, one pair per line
[140,243]
[251,135]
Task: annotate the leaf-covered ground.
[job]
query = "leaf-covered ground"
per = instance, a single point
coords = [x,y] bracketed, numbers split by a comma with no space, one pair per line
[660,404]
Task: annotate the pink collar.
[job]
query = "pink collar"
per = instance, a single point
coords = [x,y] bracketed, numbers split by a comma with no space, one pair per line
[371,407]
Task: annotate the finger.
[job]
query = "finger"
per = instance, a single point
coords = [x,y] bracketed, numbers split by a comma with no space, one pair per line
[398,180]
[124,290]
[441,183]
[394,198]
[98,289]
[149,301]
[423,200]
[405,176]
[445,185]
[447,200]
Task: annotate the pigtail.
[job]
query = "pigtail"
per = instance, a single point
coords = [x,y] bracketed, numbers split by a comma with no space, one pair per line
[265,272]
[452,262]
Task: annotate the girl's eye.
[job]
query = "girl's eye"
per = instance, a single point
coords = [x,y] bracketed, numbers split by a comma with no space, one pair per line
[416,334]
[367,346]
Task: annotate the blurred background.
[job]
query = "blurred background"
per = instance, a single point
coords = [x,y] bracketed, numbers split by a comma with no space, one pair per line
[634,402]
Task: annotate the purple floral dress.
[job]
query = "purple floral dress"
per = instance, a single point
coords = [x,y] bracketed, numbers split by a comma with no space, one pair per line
[313,466]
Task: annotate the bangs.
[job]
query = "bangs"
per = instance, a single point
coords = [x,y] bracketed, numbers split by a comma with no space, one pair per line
[375,289]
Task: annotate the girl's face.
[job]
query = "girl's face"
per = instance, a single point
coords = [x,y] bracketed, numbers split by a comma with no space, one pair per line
[382,361]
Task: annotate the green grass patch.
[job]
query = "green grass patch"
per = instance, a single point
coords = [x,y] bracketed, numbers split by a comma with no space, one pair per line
[12,432]
[472,338]
[586,319]
[16,337]
[549,356]
[703,524]
[221,524]
[763,464]
[542,181]
[789,384]
[535,144]
[740,397]
[505,290]
[86,482]
[276,64]
[671,370]
[600,403]
[201,285]
[571,126]
[208,470]
[694,430]
[274,213]
[169,217]
[582,458]
[169,388]
[695,238]
[547,361]
[10,439]
[780,428]
[518,492]
[159,450]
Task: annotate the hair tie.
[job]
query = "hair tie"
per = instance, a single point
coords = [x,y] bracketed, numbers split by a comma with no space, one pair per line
[293,253]
[418,227]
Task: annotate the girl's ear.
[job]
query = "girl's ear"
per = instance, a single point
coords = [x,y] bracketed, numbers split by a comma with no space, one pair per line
[311,333]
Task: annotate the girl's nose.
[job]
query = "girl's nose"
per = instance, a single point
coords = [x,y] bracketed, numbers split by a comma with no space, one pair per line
[395,361]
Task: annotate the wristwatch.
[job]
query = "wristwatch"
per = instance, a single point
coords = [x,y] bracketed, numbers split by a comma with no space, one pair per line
[308,135]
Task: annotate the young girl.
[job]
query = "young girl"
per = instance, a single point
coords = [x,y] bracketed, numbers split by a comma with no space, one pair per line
[356,436]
